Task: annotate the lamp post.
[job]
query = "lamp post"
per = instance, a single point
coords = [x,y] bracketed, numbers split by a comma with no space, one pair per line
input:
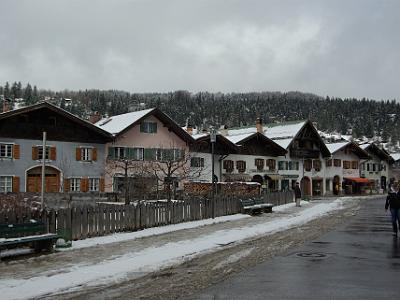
[213,139]
[43,185]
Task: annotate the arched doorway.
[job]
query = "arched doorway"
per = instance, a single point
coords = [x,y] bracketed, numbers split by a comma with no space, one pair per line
[336,185]
[34,180]
[257,178]
[305,185]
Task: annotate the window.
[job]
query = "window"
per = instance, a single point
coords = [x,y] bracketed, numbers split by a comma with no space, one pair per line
[317,165]
[307,164]
[337,162]
[281,165]
[120,152]
[136,153]
[197,162]
[354,164]
[228,166]
[6,150]
[40,152]
[259,163]
[6,184]
[241,166]
[94,184]
[75,185]
[368,167]
[346,164]
[296,165]
[329,162]
[373,167]
[148,127]
[271,164]
[86,154]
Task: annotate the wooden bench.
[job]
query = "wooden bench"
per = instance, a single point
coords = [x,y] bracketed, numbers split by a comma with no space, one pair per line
[250,207]
[33,235]
[266,207]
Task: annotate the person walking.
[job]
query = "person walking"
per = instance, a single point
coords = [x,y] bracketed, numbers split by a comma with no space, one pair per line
[297,194]
[393,202]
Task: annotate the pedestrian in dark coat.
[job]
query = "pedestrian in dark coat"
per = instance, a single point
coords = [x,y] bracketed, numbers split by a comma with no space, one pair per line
[297,194]
[393,203]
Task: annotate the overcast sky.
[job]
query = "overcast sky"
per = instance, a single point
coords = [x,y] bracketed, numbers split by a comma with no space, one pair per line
[338,48]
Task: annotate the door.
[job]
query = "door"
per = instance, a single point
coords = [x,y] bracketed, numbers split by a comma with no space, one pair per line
[34,180]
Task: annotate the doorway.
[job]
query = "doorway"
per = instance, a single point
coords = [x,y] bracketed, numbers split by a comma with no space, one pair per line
[34,180]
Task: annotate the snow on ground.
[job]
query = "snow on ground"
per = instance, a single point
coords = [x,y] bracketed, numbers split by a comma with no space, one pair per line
[233,258]
[116,268]
[127,236]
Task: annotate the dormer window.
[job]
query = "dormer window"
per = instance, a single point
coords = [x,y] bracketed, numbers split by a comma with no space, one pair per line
[148,127]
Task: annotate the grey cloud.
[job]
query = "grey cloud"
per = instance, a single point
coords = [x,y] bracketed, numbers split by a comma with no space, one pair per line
[337,48]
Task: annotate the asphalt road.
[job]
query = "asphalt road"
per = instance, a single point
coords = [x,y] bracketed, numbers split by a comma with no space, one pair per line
[358,260]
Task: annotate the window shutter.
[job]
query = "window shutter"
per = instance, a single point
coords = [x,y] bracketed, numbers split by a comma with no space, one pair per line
[16,150]
[53,153]
[67,185]
[15,184]
[150,154]
[94,154]
[78,154]
[35,153]
[102,184]
[84,184]
[111,153]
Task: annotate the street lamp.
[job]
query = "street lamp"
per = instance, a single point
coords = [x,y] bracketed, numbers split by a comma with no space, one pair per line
[213,139]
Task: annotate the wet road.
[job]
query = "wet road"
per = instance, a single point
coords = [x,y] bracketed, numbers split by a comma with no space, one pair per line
[358,260]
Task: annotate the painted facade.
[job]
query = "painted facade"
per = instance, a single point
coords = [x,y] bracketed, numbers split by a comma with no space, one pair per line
[74,151]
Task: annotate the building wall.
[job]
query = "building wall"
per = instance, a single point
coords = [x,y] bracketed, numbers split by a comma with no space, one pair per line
[65,161]
[376,175]
[163,138]
[204,174]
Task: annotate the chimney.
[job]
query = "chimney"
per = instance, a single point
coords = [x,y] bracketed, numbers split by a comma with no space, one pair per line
[259,125]
[189,129]
[95,117]
[223,130]
[6,105]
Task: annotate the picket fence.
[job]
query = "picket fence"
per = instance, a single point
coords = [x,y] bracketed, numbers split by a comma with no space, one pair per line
[87,221]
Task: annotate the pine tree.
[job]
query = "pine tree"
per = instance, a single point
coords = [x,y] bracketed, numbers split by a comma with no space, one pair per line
[28,95]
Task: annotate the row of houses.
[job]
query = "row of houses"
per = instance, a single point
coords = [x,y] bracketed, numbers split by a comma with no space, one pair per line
[147,150]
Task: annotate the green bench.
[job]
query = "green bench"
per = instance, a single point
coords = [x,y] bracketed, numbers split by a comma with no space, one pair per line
[33,235]
[255,206]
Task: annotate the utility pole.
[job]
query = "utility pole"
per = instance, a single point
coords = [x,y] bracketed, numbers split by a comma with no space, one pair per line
[43,167]
[213,139]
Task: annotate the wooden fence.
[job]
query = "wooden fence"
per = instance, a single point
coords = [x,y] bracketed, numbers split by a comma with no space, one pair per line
[83,222]
[279,198]
[87,221]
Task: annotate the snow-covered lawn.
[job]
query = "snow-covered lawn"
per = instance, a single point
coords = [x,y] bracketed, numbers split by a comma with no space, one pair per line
[116,268]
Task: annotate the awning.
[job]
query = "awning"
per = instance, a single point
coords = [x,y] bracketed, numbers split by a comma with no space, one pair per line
[357,179]
[274,176]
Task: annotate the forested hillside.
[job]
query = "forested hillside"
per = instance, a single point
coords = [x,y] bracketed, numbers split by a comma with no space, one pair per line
[361,117]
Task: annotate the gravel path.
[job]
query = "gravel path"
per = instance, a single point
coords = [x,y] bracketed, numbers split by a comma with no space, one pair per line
[186,278]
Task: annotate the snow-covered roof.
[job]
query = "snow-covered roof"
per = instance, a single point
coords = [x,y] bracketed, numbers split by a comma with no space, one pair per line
[199,136]
[239,137]
[395,156]
[284,130]
[336,146]
[364,146]
[115,124]
[241,131]
[284,143]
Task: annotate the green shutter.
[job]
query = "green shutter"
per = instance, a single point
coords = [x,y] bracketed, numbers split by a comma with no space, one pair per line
[150,154]
[154,129]
[111,153]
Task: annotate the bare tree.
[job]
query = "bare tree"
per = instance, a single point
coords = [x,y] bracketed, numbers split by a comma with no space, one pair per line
[167,166]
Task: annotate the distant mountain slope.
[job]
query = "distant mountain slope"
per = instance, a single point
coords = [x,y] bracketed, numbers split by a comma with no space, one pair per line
[359,117]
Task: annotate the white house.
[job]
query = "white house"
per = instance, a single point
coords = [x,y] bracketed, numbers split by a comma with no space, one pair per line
[342,172]
[376,167]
